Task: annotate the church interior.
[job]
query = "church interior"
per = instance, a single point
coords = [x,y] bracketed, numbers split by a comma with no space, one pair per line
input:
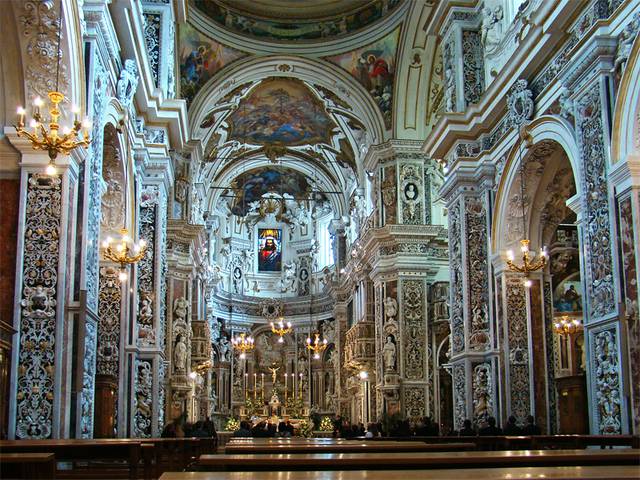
[373,235]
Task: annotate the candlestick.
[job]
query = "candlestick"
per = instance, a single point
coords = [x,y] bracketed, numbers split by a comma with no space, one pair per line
[246,380]
[255,385]
[285,388]
[262,379]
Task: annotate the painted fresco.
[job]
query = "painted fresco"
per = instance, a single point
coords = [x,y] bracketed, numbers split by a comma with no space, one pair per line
[281,111]
[250,186]
[200,59]
[374,67]
[567,297]
[299,28]
[269,249]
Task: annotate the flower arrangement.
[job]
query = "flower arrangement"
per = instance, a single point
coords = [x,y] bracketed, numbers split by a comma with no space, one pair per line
[232,425]
[326,425]
[306,428]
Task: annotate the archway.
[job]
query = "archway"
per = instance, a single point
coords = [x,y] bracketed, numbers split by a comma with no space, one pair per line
[543,371]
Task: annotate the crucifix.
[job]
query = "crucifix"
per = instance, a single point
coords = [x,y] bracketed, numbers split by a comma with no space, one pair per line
[273,371]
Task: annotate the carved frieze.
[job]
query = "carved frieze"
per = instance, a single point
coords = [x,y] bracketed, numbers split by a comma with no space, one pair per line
[482,390]
[472,66]
[146,278]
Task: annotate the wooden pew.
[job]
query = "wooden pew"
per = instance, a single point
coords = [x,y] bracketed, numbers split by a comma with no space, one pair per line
[339,447]
[121,457]
[521,473]
[27,466]
[529,442]
[418,460]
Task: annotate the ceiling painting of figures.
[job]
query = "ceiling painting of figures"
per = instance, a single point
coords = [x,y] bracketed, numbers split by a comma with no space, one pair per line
[286,20]
[281,111]
[373,67]
[249,187]
[200,58]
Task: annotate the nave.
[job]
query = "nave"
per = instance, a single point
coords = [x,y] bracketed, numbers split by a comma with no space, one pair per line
[387,231]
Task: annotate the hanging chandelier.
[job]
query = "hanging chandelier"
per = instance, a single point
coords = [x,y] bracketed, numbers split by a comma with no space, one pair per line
[529,261]
[53,139]
[566,326]
[281,329]
[243,344]
[125,252]
[317,346]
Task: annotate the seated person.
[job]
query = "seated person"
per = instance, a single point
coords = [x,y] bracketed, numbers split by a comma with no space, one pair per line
[491,429]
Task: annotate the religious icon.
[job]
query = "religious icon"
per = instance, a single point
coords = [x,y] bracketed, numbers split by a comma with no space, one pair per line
[269,249]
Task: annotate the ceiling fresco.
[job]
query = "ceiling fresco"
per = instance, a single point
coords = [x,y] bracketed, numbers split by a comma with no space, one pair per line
[285,20]
[250,186]
[281,111]
[373,66]
[200,58]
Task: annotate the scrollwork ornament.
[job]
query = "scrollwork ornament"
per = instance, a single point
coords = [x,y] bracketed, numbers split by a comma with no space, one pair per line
[607,382]
[143,399]
[520,103]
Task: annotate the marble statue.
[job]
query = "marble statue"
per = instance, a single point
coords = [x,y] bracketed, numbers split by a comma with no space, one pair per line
[389,355]
[180,355]
[390,308]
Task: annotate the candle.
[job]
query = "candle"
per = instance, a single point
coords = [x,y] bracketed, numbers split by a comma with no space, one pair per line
[21,114]
[246,377]
[255,385]
[76,110]
[37,103]
[262,377]
[285,388]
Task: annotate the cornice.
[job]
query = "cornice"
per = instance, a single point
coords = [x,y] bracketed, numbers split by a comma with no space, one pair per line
[529,57]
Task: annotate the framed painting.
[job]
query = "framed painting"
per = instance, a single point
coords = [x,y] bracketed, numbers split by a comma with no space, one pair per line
[269,249]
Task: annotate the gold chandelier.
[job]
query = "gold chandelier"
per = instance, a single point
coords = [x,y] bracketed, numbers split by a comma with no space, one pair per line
[54,139]
[281,330]
[124,252]
[529,261]
[243,344]
[565,326]
[317,346]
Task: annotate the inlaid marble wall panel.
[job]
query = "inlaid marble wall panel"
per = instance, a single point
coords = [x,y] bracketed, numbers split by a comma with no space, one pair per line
[630,284]
[552,359]
[38,343]
[517,353]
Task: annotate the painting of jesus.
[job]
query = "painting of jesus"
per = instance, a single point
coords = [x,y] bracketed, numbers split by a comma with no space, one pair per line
[269,249]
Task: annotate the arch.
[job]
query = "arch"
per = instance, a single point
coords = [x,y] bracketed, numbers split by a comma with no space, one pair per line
[625,141]
[546,128]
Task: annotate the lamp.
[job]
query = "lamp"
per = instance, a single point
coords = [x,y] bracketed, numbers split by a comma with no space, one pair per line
[529,261]
[53,139]
[125,252]
[565,326]
[281,330]
[317,346]
[244,344]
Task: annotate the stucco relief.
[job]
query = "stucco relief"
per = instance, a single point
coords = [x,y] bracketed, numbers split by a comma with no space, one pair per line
[110,298]
[411,194]
[414,402]
[143,399]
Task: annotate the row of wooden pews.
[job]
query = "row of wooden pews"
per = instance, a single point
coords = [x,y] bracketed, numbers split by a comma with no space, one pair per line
[101,458]
[338,459]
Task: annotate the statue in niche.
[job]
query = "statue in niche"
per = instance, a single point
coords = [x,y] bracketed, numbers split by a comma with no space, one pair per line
[625,43]
[359,211]
[389,355]
[411,199]
[390,308]
[181,308]
[180,355]
[113,196]
[224,349]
